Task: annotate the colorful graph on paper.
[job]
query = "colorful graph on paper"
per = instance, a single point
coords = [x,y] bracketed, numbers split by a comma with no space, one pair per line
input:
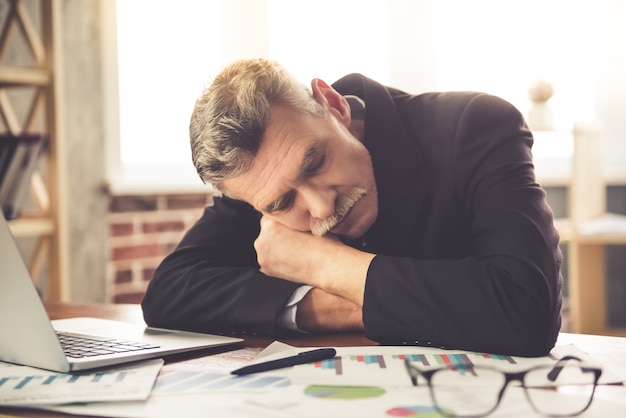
[344,392]
[21,385]
[171,382]
[21,382]
[337,364]
[386,367]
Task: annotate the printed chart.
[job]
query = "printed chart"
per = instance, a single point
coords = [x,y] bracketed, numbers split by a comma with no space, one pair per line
[190,381]
[17,382]
[336,364]
[344,392]
[372,382]
[21,385]
[387,369]
[414,411]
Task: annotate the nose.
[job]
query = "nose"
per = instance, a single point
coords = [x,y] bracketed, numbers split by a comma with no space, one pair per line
[320,202]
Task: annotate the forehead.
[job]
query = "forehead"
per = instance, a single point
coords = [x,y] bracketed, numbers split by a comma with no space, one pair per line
[275,168]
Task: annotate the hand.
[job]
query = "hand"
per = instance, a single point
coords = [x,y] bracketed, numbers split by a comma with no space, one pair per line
[322,262]
[288,254]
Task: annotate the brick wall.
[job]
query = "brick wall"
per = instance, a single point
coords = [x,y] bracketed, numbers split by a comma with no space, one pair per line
[142,230]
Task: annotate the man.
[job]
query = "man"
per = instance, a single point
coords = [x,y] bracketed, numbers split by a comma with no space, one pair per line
[360,207]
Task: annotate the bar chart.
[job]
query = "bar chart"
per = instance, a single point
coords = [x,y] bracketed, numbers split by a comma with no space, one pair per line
[338,364]
[25,382]
[192,381]
[21,385]
[386,366]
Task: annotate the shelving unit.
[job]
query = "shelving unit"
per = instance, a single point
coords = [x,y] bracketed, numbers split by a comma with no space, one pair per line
[29,103]
[587,232]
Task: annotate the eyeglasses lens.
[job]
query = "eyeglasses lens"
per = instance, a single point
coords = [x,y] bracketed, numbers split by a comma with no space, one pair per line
[567,392]
[466,392]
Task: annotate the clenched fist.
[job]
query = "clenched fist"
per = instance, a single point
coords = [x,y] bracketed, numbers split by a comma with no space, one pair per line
[322,262]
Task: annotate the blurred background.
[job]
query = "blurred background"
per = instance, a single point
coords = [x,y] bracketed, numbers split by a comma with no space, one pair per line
[110,86]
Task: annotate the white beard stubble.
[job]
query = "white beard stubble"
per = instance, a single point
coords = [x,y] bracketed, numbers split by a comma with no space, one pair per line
[344,203]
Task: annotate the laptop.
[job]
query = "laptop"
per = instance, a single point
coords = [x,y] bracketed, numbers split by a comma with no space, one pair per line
[28,337]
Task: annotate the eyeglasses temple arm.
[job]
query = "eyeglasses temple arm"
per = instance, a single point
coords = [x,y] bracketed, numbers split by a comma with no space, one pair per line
[558,367]
[411,371]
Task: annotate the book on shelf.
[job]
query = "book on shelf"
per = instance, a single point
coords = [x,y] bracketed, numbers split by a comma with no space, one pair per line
[19,159]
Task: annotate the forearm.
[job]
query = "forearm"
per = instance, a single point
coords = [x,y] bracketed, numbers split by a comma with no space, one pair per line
[497,305]
[320,311]
[211,281]
[215,299]
[341,271]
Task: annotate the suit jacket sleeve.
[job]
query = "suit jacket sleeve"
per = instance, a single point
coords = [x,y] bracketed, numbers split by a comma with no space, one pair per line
[504,295]
[211,282]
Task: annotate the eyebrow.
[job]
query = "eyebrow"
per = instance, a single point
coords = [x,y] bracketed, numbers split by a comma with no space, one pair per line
[313,159]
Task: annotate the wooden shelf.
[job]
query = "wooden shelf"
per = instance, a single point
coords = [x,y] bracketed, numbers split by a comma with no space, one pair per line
[14,77]
[607,229]
[30,31]
[25,227]
[589,230]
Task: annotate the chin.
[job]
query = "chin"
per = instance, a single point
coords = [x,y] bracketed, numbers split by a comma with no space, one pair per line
[360,227]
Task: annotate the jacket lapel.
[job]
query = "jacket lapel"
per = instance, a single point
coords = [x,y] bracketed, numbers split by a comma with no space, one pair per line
[396,158]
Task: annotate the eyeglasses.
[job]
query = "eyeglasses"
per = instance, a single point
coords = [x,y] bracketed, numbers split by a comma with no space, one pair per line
[563,389]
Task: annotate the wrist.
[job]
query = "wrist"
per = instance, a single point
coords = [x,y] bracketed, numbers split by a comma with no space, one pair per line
[343,271]
[321,311]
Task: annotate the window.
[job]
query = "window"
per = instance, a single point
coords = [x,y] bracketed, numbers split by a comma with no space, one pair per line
[168,51]
[328,39]
[503,47]
[166,54]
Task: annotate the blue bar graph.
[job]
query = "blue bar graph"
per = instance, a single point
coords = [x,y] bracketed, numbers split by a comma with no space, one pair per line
[26,380]
[4,380]
[416,358]
[333,364]
[190,381]
[22,382]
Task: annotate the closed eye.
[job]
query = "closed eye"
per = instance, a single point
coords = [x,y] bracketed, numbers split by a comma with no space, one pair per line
[313,161]
[282,204]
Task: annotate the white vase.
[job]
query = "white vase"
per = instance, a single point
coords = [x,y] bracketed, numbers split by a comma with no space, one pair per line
[540,117]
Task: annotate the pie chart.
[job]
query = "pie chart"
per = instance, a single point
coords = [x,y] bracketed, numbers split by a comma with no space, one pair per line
[343,392]
[414,411]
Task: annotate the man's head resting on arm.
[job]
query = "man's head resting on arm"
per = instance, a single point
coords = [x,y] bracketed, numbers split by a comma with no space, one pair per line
[296,155]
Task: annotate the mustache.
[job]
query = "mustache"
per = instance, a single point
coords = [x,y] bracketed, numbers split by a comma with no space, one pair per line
[344,203]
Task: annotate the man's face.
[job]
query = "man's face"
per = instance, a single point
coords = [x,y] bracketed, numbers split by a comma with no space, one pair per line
[310,174]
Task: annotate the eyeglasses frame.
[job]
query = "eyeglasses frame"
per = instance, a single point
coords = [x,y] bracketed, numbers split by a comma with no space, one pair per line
[519,376]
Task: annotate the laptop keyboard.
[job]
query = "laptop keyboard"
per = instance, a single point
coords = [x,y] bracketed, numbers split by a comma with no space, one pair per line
[78,345]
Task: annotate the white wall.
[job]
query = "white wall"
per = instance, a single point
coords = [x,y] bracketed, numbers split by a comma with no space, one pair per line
[412,59]
[611,92]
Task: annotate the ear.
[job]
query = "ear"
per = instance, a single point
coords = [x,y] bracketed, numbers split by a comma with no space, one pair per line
[330,99]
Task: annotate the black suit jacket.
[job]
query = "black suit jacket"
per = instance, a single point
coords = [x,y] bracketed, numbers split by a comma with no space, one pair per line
[467,254]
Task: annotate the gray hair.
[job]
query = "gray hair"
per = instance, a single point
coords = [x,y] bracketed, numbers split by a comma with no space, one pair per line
[230,118]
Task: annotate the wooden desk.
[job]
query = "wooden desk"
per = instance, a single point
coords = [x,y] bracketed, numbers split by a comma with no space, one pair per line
[610,351]
[132,313]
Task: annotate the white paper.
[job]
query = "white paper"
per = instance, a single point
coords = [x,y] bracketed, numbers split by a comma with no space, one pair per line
[296,402]
[202,391]
[384,365]
[22,385]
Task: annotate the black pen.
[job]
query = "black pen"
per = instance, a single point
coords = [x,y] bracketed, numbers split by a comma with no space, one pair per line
[301,358]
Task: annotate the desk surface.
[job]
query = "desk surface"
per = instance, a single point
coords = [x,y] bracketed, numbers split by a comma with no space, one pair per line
[610,351]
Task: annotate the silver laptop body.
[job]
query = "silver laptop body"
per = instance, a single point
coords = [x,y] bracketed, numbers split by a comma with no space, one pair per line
[28,337]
